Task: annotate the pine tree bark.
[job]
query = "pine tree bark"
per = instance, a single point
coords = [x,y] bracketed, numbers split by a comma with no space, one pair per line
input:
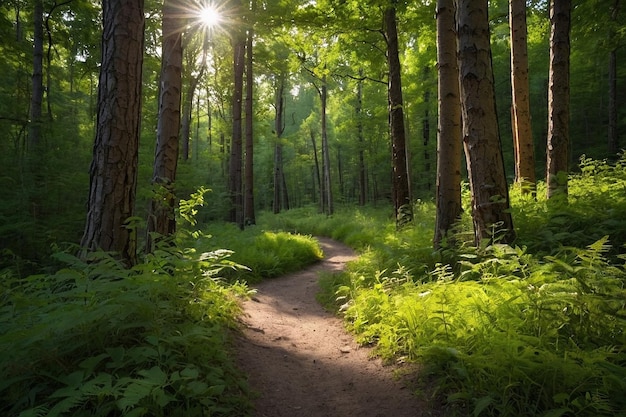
[522,129]
[113,172]
[400,182]
[449,140]
[558,99]
[485,165]
[162,216]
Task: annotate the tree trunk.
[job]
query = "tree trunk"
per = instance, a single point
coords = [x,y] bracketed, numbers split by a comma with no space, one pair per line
[361,139]
[558,99]
[522,131]
[400,183]
[426,136]
[36,102]
[249,214]
[449,141]
[279,128]
[113,170]
[236,151]
[613,134]
[490,196]
[162,218]
[328,191]
[317,176]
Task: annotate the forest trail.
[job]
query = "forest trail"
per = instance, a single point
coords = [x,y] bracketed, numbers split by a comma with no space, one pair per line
[302,362]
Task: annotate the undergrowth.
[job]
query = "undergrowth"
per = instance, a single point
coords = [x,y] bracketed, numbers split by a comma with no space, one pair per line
[534,329]
[92,338]
[266,254]
[95,339]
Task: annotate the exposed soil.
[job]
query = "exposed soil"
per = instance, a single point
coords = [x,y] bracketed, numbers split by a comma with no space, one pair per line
[300,360]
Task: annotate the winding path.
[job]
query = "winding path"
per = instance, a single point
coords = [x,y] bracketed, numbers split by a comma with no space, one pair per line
[302,362]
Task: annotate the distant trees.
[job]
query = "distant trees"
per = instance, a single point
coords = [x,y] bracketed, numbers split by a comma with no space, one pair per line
[36,101]
[113,173]
[235,171]
[345,94]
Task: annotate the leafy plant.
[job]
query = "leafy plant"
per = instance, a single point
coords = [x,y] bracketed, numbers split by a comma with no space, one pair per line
[531,330]
[96,339]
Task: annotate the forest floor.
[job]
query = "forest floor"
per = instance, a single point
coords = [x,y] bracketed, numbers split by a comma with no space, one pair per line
[300,360]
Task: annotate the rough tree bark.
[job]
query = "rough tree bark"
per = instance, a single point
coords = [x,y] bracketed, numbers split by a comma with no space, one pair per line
[113,172]
[162,216]
[449,140]
[485,165]
[558,99]
[400,182]
[522,129]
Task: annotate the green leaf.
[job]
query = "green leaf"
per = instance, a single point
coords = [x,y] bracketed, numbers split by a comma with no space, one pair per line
[154,375]
[482,404]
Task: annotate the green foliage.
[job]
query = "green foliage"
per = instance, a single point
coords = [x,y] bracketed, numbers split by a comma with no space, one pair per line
[531,330]
[265,254]
[94,339]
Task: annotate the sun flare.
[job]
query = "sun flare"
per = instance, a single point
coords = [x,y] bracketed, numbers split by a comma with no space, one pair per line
[210,16]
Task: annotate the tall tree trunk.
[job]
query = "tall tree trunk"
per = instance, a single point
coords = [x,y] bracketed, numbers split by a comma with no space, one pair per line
[113,170]
[249,213]
[162,218]
[317,176]
[361,140]
[328,191]
[613,134]
[236,151]
[400,183]
[558,99]
[36,101]
[485,165]
[449,141]
[426,136]
[522,131]
[279,128]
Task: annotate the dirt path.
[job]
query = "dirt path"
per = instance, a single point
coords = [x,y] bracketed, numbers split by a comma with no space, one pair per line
[301,361]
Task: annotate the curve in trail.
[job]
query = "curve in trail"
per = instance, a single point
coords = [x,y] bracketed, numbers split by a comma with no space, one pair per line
[302,362]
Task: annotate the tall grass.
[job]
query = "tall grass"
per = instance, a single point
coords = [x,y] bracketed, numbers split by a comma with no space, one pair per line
[534,329]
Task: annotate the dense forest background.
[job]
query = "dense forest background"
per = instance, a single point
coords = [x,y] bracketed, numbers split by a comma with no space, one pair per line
[503,321]
[46,184]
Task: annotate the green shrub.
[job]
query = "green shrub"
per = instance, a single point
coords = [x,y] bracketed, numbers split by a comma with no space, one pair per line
[94,339]
[531,330]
